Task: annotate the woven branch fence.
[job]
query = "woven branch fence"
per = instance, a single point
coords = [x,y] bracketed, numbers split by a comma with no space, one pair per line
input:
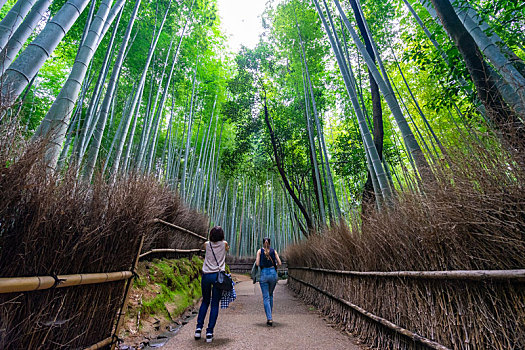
[105,295]
[58,233]
[421,309]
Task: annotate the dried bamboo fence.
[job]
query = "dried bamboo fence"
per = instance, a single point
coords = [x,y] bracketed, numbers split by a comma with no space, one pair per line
[117,286]
[482,309]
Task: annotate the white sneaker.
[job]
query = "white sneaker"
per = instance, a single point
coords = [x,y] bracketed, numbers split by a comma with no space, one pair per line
[209,337]
[198,333]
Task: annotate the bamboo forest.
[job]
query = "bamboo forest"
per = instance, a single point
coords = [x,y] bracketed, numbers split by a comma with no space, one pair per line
[378,144]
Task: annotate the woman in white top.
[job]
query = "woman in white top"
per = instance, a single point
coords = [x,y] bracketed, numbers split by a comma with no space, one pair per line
[216,249]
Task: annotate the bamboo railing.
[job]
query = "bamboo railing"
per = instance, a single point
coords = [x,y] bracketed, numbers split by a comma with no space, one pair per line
[167,250]
[182,229]
[511,276]
[101,344]
[472,275]
[170,250]
[28,284]
[398,329]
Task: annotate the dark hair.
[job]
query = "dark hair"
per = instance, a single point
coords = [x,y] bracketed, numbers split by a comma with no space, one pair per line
[266,251]
[216,234]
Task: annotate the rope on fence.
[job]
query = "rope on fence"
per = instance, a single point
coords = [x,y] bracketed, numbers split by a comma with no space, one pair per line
[414,336]
[473,275]
[27,284]
[180,229]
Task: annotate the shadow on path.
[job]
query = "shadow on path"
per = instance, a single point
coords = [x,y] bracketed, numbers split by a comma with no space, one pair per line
[243,325]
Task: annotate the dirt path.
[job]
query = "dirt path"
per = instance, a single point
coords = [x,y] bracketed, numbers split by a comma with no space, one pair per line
[243,325]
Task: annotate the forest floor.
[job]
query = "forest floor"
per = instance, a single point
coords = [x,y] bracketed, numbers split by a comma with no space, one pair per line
[243,324]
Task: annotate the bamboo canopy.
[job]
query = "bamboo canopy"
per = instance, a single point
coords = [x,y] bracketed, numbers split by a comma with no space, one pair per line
[26,284]
[416,337]
[473,275]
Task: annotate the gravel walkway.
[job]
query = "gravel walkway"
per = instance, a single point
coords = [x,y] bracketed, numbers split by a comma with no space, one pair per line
[243,325]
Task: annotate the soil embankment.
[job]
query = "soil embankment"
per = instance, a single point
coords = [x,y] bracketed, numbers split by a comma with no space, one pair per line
[163,292]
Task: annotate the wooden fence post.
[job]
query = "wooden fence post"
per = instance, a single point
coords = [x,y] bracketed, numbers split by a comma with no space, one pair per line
[124,307]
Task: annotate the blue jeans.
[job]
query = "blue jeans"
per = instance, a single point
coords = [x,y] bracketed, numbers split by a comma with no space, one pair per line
[210,292]
[267,283]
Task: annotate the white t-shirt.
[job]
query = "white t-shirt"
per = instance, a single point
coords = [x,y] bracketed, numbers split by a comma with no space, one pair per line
[210,265]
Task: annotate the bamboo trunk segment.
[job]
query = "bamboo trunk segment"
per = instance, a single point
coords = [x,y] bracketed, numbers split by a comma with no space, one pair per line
[26,284]
[414,336]
[471,275]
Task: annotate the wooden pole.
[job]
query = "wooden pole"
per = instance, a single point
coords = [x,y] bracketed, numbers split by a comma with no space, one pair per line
[100,344]
[473,275]
[26,284]
[122,312]
[171,251]
[180,229]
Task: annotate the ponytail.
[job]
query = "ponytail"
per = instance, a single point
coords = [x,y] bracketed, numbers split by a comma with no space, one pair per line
[266,251]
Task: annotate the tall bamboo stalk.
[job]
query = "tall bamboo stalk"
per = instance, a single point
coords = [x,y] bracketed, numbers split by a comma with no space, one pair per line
[120,146]
[55,123]
[375,164]
[383,83]
[25,67]
[188,137]
[110,91]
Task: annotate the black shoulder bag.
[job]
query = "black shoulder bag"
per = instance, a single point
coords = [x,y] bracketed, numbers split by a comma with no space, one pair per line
[223,282]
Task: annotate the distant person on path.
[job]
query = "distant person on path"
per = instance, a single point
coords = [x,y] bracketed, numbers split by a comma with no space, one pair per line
[268,260]
[216,249]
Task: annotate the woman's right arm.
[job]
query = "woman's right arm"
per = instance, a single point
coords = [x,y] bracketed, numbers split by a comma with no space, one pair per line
[279,263]
[258,259]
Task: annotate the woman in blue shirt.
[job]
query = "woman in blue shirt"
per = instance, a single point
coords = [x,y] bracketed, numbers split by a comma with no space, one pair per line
[268,260]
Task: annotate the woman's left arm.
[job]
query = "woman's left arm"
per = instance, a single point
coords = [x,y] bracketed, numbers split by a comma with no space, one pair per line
[278,259]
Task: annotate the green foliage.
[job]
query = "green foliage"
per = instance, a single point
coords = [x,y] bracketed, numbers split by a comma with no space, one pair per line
[275,70]
[505,17]
[178,284]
